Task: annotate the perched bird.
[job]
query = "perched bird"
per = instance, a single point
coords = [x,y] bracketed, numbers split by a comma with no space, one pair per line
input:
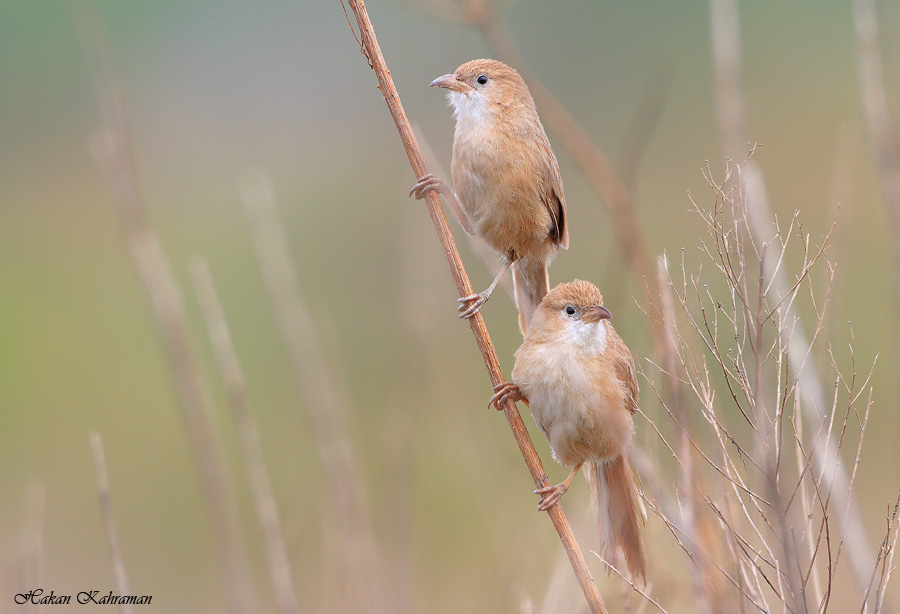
[508,189]
[577,377]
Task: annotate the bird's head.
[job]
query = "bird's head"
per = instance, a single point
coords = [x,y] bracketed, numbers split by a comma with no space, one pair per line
[573,312]
[481,87]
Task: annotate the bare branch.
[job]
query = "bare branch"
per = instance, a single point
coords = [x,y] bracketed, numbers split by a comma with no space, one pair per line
[489,354]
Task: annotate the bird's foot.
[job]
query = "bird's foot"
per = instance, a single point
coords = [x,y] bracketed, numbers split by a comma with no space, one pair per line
[550,495]
[472,304]
[426,183]
[504,391]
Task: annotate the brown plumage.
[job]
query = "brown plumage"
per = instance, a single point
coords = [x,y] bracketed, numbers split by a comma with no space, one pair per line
[508,188]
[578,378]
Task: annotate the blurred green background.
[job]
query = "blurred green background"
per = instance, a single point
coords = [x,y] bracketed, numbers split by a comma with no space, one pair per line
[218,89]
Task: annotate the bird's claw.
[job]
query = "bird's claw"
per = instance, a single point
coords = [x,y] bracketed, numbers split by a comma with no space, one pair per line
[472,304]
[550,495]
[426,183]
[504,391]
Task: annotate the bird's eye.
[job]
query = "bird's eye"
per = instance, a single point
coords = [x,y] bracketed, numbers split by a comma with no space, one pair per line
[570,310]
[482,79]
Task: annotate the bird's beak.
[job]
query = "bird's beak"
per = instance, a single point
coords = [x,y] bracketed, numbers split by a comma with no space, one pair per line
[596,313]
[452,82]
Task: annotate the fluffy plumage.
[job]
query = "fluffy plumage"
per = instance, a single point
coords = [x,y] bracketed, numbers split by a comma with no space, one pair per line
[579,379]
[505,176]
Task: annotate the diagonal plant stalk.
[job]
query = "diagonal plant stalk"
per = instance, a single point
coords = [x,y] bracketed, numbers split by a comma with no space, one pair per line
[232,375]
[360,569]
[372,52]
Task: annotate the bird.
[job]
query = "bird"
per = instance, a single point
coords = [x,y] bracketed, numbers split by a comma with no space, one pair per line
[578,379]
[507,185]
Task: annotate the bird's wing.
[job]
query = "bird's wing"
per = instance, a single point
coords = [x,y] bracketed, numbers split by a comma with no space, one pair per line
[555,201]
[624,365]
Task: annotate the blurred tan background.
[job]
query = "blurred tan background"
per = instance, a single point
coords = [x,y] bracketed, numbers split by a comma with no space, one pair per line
[216,90]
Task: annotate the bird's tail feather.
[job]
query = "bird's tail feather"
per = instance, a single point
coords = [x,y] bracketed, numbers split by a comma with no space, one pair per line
[620,514]
[531,280]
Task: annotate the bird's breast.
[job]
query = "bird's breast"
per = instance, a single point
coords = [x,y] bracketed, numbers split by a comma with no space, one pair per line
[500,183]
[575,404]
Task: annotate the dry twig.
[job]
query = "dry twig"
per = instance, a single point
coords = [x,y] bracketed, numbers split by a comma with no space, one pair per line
[489,354]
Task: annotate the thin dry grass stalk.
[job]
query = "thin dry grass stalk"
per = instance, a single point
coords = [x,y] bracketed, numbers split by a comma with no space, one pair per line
[109,520]
[690,493]
[774,539]
[730,111]
[372,52]
[884,567]
[877,112]
[280,574]
[114,152]
[326,408]
[637,589]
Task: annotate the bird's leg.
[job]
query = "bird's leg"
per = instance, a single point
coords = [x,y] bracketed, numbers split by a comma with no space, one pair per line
[433,182]
[504,391]
[551,494]
[473,303]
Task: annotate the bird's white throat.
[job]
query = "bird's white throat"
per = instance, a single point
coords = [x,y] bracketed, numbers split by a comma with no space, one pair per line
[587,337]
[469,109]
